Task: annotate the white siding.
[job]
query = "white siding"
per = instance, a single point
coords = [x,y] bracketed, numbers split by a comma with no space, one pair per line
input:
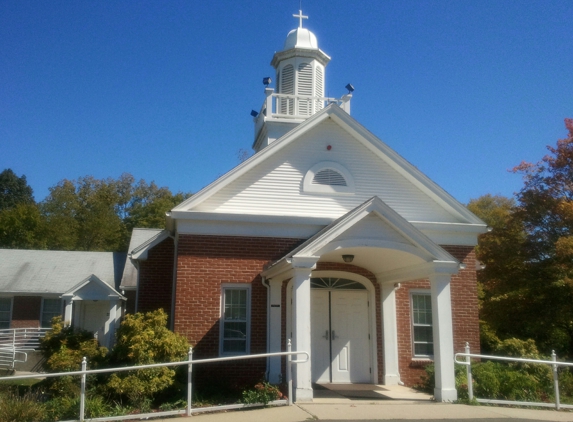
[274,187]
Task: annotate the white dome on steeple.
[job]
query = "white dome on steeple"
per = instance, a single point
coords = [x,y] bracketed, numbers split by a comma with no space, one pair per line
[301,38]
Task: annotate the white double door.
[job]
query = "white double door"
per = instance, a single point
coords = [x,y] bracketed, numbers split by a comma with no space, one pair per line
[340,337]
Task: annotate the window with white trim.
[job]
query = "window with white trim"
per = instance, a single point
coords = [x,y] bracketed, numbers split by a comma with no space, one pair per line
[5,312]
[422,334]
[235,320]
[50,309]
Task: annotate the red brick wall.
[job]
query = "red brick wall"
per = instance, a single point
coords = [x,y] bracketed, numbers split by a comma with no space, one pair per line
[26,312]
[464,314]
[204,263]
[156,278]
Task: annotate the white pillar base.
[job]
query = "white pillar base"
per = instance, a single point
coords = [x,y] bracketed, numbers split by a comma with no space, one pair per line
[390,379]
[445,395]
[303,395]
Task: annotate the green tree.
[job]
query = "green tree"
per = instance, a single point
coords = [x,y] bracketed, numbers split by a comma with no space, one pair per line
[527,283]
[14,190]
[81,215]
[22,227]
[99,214]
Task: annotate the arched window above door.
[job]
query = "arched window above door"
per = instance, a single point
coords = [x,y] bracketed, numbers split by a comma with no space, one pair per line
[335,283]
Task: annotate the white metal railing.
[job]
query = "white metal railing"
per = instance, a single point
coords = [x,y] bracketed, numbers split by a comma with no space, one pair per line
[290,106]
[553,363]
[189,362]
[15,342]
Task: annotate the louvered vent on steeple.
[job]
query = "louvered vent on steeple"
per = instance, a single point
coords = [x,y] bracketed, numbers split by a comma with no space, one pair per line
[304,88]
[319,88]
[287,87]
[329,177]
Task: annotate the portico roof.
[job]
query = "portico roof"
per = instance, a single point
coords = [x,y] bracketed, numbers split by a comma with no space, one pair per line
[380,239]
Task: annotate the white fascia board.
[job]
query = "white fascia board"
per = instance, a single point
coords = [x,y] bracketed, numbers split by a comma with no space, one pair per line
[418,272]
[252,218]
[253,161]
[405,168]
[219,224]
[459,234]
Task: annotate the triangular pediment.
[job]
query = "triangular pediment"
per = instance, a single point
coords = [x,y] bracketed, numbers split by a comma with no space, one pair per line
[378,238]
[272,182]
[92,288]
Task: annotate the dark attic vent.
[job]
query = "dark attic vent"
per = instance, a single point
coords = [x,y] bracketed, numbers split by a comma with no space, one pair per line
[329,177]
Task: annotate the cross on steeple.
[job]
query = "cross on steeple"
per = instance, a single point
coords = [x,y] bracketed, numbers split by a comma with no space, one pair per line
[300,17]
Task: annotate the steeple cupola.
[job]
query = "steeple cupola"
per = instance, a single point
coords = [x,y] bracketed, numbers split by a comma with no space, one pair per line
[300,87]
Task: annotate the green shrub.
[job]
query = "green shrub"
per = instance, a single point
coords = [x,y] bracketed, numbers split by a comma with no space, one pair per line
[21,408]
[68,408]
[144,339]
[64,348]
[263,393]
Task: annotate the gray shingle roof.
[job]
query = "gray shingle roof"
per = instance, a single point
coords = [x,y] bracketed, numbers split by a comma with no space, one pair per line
[32,271]
[139,237]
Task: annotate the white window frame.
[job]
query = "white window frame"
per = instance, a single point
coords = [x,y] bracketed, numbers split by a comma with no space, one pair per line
[426,293]
[11,299]
[310,188]
[44,308]
[228,287]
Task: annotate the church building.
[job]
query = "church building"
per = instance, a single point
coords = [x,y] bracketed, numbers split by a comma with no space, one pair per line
[326,237]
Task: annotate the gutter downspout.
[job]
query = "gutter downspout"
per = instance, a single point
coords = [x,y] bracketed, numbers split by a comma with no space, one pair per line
[268,287]
[135,263]
[174,282]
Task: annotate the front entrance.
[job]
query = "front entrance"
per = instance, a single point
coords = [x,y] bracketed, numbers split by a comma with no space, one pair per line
[340,335]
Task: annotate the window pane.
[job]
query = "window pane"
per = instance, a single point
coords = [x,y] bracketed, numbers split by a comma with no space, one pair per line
[234,323]
[422,325]
[424,349]
[51,309]
[5,307]
[423,334]
[234,346]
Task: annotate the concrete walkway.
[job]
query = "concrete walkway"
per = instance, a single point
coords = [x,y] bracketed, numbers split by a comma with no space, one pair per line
[378,403]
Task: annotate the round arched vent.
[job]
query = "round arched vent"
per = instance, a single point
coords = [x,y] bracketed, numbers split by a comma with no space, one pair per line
[328,177]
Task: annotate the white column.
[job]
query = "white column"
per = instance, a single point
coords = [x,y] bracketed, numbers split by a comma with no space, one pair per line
[275,331]
[68,310]
[110,335]
[445,389]
[391,362]
[302,373]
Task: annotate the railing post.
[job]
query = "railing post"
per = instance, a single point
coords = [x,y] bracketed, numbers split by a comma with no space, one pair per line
[289,372]
[83,390]
[469,373]
[189,380]
[269,101]
[555,380]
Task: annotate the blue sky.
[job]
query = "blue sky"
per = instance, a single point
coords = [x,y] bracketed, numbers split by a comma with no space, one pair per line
[464,90]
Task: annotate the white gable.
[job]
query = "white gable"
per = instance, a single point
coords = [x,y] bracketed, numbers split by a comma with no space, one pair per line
[269,192]
[274,187]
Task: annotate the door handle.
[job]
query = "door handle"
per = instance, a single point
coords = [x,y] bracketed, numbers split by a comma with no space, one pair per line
[325,335]
[334,336]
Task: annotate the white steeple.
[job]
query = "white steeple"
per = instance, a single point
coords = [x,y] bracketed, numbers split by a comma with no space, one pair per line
[300,82]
